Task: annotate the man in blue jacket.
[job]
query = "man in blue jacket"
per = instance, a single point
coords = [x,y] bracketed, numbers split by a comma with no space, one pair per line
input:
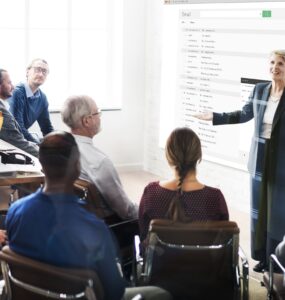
[29,104]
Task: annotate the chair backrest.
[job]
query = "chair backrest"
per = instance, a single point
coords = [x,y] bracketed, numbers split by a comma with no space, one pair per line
[94,200]
[193,260]
[123,230]
[28,279]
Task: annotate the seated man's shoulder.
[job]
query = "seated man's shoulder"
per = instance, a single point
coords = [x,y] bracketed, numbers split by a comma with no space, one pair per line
[94,157]
[19,89]
[86,214]
[22,203]
[90,222]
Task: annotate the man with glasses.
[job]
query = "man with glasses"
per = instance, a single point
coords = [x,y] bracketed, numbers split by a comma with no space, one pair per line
[82,115]
[29,104]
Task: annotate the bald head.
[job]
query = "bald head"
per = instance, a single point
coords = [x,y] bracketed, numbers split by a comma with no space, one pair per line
[59,156]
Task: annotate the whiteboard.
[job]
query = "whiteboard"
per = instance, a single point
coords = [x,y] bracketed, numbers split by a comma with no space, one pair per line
[212,55]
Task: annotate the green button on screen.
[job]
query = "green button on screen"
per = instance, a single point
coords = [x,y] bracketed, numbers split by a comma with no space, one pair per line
[266,14]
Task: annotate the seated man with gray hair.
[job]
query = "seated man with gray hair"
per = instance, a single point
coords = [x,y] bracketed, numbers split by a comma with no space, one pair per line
[82,115]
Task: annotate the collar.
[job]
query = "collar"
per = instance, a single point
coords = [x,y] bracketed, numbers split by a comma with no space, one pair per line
[29,92]
[58,197]
[5,103]
[83,139]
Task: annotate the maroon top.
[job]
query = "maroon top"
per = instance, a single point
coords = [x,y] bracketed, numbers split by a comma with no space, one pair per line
[205,204]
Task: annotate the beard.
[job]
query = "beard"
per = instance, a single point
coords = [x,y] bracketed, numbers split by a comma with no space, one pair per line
[6,95]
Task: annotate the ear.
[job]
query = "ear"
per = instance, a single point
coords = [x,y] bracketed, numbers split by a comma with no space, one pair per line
[85,121]
[27,73]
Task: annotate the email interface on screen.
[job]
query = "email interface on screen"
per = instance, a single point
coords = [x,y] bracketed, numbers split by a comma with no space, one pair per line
[213,54]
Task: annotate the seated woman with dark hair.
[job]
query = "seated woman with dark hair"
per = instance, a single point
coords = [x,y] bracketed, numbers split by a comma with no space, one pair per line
[183,197]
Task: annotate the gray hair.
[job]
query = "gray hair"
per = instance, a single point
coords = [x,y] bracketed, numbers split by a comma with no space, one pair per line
[278,52]
[75,108]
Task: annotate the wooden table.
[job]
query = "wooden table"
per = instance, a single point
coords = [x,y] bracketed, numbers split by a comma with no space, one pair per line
[25,178]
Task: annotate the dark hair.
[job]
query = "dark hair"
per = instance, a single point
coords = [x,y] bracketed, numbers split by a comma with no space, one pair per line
[183,151]
[1,76]
[58,154]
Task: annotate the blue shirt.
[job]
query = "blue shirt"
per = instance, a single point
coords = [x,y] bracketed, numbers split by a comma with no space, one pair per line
[27,108]
[57,230]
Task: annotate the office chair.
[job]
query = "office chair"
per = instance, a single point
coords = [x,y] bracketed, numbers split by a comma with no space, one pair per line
[273,281]
[198,260]
[27,279]
[94,201]
[123,230]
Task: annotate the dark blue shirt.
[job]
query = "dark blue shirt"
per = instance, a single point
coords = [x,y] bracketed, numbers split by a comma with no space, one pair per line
[27,108]
[57,230]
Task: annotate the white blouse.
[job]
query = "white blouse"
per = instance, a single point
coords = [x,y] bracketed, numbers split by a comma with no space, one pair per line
[268,116]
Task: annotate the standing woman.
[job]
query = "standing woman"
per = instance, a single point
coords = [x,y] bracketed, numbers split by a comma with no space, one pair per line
[182,197]
[266,105]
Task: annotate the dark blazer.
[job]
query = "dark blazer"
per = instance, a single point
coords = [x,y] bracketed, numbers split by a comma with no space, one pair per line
[10,133]
[255,108]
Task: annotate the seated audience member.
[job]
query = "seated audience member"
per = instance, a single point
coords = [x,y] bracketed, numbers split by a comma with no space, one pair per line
[29,104]
[183,197]
[10,130]
[52,225]
[82,115]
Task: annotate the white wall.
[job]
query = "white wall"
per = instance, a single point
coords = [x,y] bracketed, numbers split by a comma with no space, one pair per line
[122,131]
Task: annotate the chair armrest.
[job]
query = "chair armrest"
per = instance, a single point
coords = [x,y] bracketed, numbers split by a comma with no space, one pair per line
[137,261]
[138,256]
[273,260]
[120,222]
[80,190]
[244,277]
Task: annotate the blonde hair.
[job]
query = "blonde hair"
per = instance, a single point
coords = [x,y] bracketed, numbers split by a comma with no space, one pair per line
[31,64]
[278,52]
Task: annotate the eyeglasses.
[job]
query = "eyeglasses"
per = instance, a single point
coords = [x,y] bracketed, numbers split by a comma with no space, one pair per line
[41,70]
[99,113]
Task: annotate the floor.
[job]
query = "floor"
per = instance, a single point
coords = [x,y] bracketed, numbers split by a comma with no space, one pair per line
[134,183]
